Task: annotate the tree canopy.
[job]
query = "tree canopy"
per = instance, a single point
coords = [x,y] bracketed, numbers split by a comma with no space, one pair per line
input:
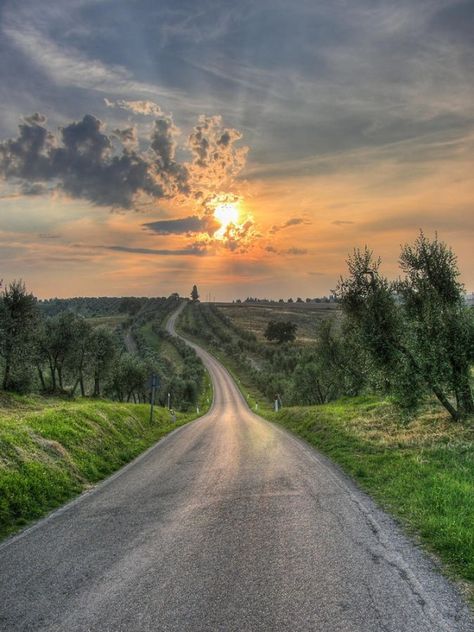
[417,330]
[281,331]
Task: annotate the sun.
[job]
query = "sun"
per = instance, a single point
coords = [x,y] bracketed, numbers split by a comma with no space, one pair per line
[226,214]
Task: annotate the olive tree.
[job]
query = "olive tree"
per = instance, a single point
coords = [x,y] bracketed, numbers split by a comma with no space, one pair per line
[416,330]
[18,324]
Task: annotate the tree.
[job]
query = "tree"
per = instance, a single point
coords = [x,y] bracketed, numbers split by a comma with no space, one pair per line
[416,331]
[80,355]
[18,323]
[433,300]
[281,331]
[129,377]
[194,294]
[103,353]
[57,342]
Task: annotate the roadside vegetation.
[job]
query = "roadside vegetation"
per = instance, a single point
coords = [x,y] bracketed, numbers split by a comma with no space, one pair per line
[51,448]
[383,386]
[95,347]
[76,386]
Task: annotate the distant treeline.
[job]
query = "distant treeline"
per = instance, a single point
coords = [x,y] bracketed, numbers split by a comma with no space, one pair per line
[93,306]
[323,299]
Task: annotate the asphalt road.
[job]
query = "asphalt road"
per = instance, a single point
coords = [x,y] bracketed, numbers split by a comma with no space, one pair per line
[227,524]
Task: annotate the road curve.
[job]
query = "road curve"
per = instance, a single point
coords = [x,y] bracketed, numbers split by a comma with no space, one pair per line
[228,524]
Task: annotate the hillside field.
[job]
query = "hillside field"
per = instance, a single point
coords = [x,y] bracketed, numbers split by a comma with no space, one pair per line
[254,317]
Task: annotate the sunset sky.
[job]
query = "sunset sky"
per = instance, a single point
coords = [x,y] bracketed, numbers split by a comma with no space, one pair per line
[247,147]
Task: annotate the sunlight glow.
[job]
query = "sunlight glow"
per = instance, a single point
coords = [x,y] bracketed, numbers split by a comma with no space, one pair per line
[226,214]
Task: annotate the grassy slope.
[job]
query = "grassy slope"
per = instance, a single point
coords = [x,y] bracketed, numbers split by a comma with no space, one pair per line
[422,471]
[52,449]
[165,348]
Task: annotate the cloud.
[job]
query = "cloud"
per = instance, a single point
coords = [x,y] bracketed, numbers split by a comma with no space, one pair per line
[289,251]
[341,222]
[127,136]
[185,225]
[147,108]
[83,161]
[193,251]
[49,235]
[296,251]
[67,66]
[293,221]
[216,160]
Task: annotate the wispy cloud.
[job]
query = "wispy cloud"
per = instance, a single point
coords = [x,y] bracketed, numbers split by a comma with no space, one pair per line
[184,225]
[293,221]
[194,252]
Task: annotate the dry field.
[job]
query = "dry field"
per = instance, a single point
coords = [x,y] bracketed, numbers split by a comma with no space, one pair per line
[254,317]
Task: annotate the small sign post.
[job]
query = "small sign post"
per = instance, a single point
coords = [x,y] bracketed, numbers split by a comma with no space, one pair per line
[153,383]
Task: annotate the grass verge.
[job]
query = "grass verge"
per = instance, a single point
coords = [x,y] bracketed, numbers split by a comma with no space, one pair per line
[53,449]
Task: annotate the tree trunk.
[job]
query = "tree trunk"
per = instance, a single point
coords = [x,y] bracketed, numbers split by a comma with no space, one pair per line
[6,375]
[96,386]
[52,370]
[74,387]
[81,383]
[446,403]
[60,377]
[464,395]
[41,377]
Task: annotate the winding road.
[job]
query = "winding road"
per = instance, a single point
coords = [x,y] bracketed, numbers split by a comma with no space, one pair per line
[228,524]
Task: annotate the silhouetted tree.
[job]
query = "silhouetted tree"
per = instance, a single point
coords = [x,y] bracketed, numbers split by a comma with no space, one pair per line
[194,293]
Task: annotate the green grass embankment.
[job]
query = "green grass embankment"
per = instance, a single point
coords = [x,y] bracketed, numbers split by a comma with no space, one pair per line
[53,449]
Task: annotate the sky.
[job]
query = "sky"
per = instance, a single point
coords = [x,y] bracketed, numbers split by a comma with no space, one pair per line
[245,146]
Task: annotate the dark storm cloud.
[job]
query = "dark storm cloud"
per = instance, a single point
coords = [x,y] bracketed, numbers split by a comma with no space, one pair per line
[185,225]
